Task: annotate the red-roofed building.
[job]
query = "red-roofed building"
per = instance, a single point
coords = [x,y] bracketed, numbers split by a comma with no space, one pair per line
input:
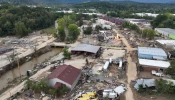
[66,75]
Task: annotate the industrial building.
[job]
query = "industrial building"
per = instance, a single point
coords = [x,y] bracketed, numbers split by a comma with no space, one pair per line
[149,65]
[151,53]
[169,44]
[114,20]
[64,75]
[166,32]
[86,48]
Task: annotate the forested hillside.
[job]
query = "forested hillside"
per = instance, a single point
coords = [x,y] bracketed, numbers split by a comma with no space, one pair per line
[21,20]
[19,2]
[127,7]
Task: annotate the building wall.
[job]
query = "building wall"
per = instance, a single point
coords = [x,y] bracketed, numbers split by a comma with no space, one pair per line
[76,81]
[150,68]
[144,56]
[53,81]
[147,56]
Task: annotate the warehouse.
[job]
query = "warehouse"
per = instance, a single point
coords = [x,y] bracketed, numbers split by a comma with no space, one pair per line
[114,20]
[64,75]
[166,32]
[151,53]
[149,65]
[86,49]
[169,44]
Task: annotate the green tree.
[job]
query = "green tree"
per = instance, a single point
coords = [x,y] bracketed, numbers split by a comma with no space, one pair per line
[73,32]
[80,22]
[161,85]
[97,28]
[88,31]
[171,69]
[66,54]
[21,29]
[61,27]
[61,23]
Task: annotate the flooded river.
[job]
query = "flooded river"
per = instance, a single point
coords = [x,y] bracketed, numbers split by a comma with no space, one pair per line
[12,74]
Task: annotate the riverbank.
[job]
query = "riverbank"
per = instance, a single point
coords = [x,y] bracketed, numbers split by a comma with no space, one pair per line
[12,77]
[40,49]
[13,89]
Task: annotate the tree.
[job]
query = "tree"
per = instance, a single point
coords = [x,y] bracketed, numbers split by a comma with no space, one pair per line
[98,27]
[61,34]
[164,20]
[66,54]
[61,27]
[61,23]
[80,23]
[73,32]
[171,69]
[34,47]
[21,29]
[88,31]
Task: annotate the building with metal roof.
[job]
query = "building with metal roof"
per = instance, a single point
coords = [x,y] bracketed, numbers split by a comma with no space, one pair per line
[149,65]
[169,44]
[64,75]
[145,83]
[166,32]
[86,48]
[118,21]
[151,53]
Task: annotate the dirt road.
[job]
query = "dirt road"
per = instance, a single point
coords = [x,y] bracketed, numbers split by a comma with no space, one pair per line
[131,72]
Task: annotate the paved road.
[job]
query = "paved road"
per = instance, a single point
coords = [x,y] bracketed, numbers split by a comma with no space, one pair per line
[131,72]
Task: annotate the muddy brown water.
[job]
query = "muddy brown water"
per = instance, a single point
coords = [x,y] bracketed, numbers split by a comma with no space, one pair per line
[14,73]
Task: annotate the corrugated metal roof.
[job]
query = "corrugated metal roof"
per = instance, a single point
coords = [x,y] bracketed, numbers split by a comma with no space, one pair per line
[167,30]
[151,51]
[86,48]
[166,42]
[155,63]
[145,82]
[66,73]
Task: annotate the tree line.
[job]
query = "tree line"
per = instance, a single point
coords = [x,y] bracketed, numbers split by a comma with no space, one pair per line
[21,20]
[165,20]
[105,7]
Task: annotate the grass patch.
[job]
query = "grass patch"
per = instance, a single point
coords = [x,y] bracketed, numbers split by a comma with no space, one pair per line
[49,30]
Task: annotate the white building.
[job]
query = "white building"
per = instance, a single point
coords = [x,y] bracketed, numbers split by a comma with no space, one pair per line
[166,32]
[64,75]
